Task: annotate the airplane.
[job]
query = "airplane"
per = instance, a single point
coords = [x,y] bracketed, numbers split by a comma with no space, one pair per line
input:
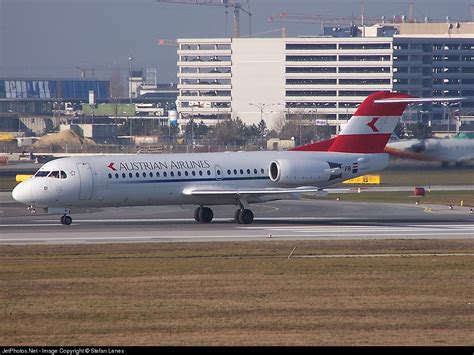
[226,178]
[444,150]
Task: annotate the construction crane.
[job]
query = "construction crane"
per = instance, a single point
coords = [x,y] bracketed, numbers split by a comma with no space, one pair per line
[236,6]
[285,17]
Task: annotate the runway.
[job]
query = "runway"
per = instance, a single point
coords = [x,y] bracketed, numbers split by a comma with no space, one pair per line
[282,220]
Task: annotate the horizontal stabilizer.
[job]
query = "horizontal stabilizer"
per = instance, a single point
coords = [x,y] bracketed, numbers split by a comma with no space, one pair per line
[415,100]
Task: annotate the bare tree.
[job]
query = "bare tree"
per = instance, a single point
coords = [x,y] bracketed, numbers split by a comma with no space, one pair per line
[278,123]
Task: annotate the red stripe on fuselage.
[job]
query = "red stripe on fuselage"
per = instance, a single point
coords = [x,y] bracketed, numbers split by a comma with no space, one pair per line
[406,154]
[360,143]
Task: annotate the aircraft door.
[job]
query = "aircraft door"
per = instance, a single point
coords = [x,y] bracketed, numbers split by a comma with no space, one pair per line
[86,181]
[218,171]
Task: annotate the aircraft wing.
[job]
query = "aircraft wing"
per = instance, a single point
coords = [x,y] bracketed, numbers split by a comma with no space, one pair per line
[255,192]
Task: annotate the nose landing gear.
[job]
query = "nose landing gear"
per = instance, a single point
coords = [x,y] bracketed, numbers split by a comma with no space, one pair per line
[66,220]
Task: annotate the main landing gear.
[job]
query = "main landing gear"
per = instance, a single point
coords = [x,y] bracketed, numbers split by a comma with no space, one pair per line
[203,214]
[243,216]
[66,220]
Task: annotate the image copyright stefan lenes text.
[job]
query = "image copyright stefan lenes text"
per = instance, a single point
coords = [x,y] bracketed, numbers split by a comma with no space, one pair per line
[57,351]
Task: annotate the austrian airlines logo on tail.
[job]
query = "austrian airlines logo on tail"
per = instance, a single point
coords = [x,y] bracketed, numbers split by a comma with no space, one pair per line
[372,123]
[111,167]
[369,129]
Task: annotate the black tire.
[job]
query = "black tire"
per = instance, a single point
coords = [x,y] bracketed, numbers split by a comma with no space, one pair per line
[67,220]
[62,219]
[196,214]
[236,216]
[205,215]
[246,217]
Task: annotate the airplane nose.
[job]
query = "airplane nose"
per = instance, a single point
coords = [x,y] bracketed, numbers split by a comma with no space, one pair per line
[22,193]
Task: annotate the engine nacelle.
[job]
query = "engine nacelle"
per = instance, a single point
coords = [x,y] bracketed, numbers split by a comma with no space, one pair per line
[299,172]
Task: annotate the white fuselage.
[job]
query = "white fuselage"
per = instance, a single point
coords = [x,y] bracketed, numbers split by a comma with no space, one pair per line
[443,150]
[162,179]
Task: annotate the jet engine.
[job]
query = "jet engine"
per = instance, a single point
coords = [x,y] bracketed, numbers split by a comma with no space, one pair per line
[300,172]
[419,147]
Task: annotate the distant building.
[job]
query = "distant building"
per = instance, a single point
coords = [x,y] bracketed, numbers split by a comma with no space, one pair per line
[37,96]
[50,89]
[325,76]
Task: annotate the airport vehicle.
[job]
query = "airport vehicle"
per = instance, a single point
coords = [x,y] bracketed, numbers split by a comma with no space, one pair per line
[229,178]
[149,109]
[444,150]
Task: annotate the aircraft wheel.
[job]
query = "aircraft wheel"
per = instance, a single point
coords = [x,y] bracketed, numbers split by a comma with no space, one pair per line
[245,217]
[66,220]
[205,215]
[196,214]
[236,216]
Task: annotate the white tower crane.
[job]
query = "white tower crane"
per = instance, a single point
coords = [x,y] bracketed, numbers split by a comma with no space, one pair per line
[237,7]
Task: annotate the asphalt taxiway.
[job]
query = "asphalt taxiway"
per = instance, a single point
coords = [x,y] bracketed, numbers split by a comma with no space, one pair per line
[281,220]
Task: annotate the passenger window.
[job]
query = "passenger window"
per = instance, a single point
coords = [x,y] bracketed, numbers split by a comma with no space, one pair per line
[157,174]
[137,175]
[123,175]
[248,171]
[110,176]
[179,173]
[255,171]
[130,175]
[186,173]
[165,174]
[172,174]
[229,172]
[193,172]
[208,172]
[200,172]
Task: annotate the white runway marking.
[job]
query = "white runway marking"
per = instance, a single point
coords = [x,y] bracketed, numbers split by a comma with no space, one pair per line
[231,232]
[174,220]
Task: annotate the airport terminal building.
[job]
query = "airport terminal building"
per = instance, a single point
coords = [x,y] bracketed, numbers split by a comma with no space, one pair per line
[325,77]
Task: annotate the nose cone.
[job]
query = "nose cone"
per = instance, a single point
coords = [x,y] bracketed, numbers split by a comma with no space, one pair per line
[22,193]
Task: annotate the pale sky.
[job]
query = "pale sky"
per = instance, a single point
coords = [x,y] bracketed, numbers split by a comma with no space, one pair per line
[50,38]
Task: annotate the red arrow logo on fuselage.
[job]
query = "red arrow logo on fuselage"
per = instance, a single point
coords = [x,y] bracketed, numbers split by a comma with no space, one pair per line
[372,123]
[111,166]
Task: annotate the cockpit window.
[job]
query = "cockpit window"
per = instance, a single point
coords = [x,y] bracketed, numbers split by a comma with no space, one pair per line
[52,174]
[42,173]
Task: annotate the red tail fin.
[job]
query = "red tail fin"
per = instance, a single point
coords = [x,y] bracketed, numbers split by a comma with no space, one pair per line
[369,129]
